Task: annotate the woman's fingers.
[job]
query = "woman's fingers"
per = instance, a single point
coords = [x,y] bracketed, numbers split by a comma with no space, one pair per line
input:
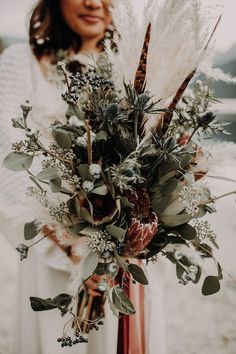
[92,285]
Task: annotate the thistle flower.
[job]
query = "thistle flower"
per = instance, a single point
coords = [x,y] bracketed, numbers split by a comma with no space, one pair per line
[125,175]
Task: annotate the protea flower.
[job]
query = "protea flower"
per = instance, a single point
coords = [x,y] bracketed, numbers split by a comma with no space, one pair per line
[139,235]
[97,209]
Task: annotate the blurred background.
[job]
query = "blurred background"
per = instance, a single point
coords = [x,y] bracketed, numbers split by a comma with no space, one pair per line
[194,324]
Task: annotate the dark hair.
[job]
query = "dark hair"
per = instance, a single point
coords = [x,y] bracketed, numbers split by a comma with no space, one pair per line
[48,31]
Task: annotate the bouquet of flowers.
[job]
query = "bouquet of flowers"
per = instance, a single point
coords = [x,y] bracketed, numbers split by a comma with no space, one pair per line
[129,190]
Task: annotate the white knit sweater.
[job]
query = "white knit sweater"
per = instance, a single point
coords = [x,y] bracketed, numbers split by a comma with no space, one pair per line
[21,79]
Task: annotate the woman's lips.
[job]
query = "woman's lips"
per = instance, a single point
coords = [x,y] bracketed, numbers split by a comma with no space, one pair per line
[91,19]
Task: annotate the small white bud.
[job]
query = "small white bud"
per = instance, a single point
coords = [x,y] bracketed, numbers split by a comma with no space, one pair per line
[95,170]
[75,122]
[102,286]
[88,186]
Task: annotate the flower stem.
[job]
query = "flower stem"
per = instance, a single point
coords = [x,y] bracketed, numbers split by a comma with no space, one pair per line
[89,142]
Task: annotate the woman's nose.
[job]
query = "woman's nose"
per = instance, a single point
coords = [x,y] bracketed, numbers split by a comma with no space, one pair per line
[93,4]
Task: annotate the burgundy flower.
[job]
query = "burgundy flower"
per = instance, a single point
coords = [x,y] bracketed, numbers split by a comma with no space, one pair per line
[139,235]
[97,209]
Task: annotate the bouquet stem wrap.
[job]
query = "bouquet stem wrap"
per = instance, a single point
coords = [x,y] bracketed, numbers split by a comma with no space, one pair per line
[131,330]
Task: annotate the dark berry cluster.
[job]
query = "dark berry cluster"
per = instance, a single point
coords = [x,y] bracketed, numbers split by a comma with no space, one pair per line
[120,247]
[67,341]
[96,325]
[89,78]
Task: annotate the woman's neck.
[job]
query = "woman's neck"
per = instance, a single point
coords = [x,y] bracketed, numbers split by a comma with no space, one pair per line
[91,45]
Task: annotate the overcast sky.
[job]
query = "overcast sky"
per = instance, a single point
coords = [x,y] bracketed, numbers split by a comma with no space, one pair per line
[13,23]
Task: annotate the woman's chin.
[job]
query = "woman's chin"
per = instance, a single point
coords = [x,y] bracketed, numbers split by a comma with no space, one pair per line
[88,30]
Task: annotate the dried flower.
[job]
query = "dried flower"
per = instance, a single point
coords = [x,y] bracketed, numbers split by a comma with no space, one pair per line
[88,186]
[23,250]
[139,235]
[192,196]
[95,170]
[100,241]
[204,230]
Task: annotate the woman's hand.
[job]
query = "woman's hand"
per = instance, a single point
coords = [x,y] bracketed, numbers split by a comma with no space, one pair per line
[92,285]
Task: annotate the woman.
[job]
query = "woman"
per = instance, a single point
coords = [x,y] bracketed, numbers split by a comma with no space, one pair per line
[59,30]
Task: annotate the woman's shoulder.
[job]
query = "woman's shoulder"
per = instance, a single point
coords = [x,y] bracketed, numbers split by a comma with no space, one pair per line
[17,52]
[15,69]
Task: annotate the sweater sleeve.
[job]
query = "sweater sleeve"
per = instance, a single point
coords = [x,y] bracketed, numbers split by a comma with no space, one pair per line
[15,89]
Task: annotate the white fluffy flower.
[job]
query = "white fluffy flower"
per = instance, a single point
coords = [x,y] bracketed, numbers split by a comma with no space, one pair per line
[100,241]
[88,186]
[191,197]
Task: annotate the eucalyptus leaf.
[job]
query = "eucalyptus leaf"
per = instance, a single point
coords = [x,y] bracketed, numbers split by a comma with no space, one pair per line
[175,220]
[211,285]
[90,264]
[55,185]
[116,232]
[30,230]
[138,274]
[83,170]
[76,229]
[47,174]
[102,190]
[169,186]
[112,307]
[187,232]
[62,300]
[102,135]
[63,140]
[17,161]
[179,271]
[125,203]
[159,204]
[122,302]
[167,176]
[121,261]
[38,304]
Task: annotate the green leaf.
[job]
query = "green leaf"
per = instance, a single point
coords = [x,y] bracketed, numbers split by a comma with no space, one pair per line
[169,186]
[47,174]
[83,170]
[138,274]
[125,203]
[211,285]
[179,271]
[102,190]
[30,230]
[90,264]
[62,300]
[39,304]
[116,232]
[55,185]
[112,307]
[175,220]
[159,204]
[63,140]
[121,261]
[167,176]
[101,269]
[76,229]
[102,135]
[17,161]
[220,271]
[187,232]
[122,302]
